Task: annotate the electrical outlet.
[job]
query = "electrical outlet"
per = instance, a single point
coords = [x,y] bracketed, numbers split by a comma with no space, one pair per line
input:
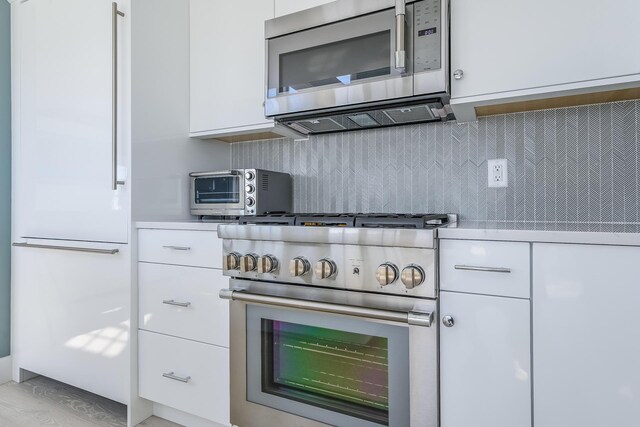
[498,177]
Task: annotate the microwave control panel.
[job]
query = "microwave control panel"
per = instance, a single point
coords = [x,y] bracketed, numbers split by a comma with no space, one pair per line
[427,27]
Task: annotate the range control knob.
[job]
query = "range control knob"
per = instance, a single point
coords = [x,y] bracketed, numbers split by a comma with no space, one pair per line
[251,201]
[231,261]
[250,189]
[326,269]
[412,276]
[249,176]
[248,263]
[267,264]
[386,274]
[299,266]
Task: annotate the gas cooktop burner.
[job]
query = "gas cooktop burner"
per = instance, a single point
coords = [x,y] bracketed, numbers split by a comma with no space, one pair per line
[359,220]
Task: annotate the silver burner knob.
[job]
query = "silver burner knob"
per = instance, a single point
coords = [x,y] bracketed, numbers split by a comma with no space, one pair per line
[267,264]
[386,274]
[299,266]
[250,201]
[249,176]
[250,189]
[248,263]
[231,261]
[412,276]
[326,269]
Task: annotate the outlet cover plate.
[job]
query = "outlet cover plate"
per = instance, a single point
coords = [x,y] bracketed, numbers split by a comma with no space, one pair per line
[498,173]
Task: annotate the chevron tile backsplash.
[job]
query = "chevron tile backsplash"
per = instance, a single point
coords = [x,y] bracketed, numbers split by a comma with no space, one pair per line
[578,164]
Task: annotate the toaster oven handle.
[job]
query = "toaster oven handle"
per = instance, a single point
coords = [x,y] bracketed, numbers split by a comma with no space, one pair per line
[219,173]
[401,54]
[411,318]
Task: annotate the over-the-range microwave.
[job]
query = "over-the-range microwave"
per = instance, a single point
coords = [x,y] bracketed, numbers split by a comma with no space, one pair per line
[240,192]
[357,64]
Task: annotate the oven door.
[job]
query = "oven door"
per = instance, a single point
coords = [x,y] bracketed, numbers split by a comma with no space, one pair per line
[220,193]
[338,64]
[315,363]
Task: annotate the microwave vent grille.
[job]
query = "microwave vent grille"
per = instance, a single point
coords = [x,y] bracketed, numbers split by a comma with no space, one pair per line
[419,113]
[324,124]
[265,182]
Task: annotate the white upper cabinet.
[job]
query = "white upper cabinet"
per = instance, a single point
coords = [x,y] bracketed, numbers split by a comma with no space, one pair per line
[485,363]
[227,67]
[285,7]
[514,50]
[62,74]
[586,340]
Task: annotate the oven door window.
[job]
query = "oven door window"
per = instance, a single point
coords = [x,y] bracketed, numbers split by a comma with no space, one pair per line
[217,190]
[336,370]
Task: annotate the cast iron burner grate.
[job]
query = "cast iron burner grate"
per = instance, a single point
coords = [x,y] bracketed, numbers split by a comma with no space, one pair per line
[411,221]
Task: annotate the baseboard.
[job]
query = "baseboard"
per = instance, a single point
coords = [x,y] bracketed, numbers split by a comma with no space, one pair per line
[6,369]
[182,418]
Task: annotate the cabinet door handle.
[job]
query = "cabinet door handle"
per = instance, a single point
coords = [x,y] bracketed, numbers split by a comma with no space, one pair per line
[178,248]
[68,248]
[401,54]
[172,376]
[483,269]
[114,94]
[176,303]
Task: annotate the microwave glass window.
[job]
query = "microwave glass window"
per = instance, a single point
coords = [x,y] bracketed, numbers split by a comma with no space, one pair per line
[340,62]
[218,190]
[341,371]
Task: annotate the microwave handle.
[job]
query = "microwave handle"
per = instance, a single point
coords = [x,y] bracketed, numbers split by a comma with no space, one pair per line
[401,54]
[220,173]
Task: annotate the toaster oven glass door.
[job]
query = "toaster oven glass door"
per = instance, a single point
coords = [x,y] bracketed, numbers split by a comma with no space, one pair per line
[218,190]
[345,62]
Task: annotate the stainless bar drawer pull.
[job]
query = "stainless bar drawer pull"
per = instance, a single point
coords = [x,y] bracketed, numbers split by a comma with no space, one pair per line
[173,376]
[178,248]
[68,248]
[177,304]
[484,269]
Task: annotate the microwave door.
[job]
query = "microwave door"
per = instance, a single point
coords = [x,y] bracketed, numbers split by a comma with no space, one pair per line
[343,63]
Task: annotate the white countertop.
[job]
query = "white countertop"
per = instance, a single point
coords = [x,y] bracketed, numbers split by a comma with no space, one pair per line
[178,225]
[536,232]
[552,232]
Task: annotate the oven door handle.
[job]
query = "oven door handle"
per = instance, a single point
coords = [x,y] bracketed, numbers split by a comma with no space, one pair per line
[412,318]
[213,174]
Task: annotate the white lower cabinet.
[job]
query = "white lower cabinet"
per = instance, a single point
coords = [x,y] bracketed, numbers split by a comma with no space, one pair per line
[184,326]
[185,375]
[184,302]
[586,338]
[485,362]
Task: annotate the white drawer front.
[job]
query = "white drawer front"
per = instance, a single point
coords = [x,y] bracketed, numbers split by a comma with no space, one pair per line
[180,247]
[184,302]
[206,394]
[490,268]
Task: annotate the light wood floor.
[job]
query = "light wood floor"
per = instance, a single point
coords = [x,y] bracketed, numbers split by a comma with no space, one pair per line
[45,402]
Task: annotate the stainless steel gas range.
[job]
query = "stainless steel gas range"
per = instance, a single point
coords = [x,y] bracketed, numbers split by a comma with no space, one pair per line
[333,320]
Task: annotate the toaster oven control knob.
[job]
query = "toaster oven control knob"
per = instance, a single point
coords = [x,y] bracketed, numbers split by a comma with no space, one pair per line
[249,176]
[251,201]
[412,276]
[248,263]
[326,269]
[267,264]
[386,274]
[250,189]
[299,266]
[231,261]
